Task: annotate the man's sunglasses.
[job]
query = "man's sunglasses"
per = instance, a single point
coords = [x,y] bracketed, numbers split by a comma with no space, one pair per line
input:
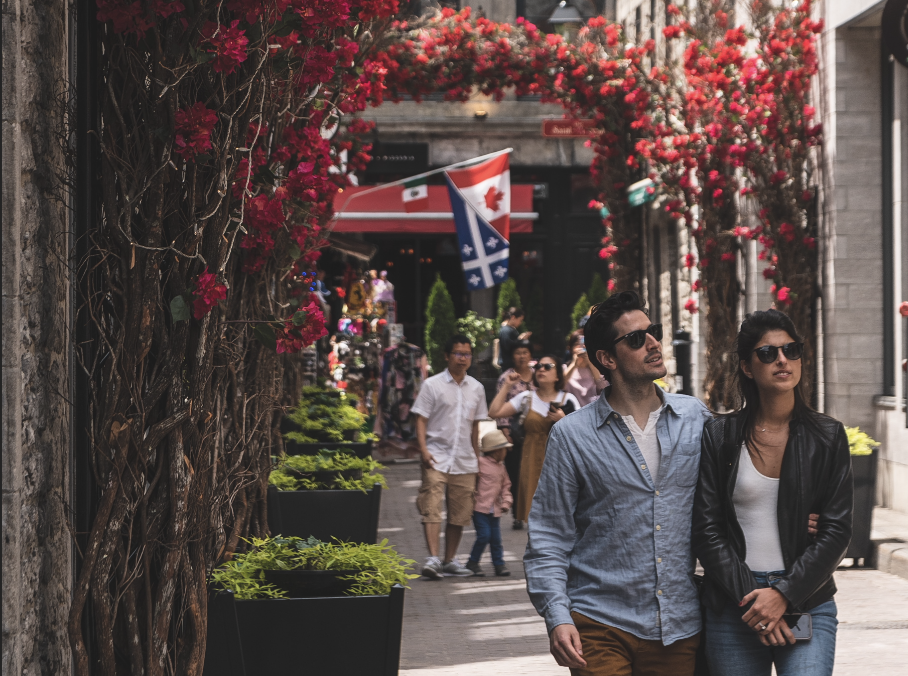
[637,339]
[544,367]
[768,353]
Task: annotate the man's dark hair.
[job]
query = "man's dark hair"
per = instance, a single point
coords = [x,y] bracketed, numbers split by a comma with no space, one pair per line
[515,312]
[521,344]
[458,339]
[600,332]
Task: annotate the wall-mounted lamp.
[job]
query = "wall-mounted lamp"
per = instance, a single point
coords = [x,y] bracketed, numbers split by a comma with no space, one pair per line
[481,114]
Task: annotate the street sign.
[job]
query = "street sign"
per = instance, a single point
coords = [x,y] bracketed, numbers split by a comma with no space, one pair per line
[641,192]
[567,128]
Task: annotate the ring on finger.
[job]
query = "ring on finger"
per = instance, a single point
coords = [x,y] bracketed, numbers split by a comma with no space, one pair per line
[762,627]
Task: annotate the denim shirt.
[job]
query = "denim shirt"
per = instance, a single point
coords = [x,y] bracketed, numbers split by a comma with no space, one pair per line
[604,540]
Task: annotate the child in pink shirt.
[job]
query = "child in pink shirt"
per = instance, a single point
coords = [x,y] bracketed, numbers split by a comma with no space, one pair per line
[492,499]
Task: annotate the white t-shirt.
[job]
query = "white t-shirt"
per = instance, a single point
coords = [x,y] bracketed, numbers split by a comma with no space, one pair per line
[542,407]
[647,441]
[756,500]
[450,410]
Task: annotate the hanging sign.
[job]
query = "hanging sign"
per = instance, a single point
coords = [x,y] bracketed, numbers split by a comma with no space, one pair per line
[641,192]
[567,128]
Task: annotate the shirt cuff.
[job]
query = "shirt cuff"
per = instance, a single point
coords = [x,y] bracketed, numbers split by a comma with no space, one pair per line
[557,614]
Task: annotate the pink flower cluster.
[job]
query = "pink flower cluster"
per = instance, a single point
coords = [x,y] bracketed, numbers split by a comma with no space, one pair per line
[193,130]
[207,294]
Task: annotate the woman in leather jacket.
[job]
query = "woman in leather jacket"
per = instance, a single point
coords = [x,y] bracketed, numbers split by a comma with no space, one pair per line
[763,469]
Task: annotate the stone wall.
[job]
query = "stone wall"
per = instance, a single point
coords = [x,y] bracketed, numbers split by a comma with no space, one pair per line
[37,559]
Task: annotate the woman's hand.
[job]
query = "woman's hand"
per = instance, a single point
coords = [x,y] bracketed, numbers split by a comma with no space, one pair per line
[779,635]
[768,608]
[581,357]
[511,378]
[555,414]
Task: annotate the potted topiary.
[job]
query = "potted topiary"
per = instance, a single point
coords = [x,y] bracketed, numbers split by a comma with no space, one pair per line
[329,495]
[864,457]
[326,419]
[266,615]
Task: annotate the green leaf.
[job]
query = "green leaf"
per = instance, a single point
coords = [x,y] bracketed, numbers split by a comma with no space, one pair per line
[299,317]
[265,335]
[294,251]
[265,174]
[179,309]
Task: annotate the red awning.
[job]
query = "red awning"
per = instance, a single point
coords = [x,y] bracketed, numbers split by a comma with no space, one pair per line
[382,211]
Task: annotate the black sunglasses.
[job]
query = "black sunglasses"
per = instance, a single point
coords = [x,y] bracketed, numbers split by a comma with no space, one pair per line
[768,353]
[637,339]
[544,367]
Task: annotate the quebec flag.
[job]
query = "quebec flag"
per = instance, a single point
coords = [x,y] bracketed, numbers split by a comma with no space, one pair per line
[483,251]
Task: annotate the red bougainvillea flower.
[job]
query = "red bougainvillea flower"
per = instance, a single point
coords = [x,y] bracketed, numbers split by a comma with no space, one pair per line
[293,338]
[207,294]
[193,130]
[783,295]
[903,308]
[228,44]
[728,257]
[690,261]
[691,306]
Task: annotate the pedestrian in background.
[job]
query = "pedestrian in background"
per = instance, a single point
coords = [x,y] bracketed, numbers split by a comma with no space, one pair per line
[512,427]
[548,404]
[581,378]
[449,408]
[493,498]
[764,467]
[508,337]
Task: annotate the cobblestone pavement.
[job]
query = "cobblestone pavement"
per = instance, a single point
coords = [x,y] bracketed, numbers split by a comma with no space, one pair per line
[487,626]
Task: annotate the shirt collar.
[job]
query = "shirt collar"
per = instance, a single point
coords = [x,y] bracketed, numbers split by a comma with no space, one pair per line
[604,411]
[448,376]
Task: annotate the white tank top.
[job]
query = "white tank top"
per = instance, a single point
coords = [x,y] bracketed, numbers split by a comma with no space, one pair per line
[756,499]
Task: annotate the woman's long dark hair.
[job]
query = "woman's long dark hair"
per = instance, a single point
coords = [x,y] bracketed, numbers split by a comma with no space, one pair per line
[559,372]
[747,396]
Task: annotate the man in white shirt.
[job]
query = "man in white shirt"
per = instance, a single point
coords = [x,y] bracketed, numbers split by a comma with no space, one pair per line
[449,408]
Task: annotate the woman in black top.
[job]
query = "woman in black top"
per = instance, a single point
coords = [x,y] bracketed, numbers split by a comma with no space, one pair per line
[764,468]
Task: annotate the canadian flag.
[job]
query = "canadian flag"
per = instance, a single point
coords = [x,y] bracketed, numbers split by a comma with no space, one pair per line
[487,187]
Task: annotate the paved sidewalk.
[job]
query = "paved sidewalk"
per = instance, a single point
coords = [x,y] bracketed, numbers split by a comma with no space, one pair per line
[487,626]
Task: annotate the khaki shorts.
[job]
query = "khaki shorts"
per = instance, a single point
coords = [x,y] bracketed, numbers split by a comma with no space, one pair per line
[459,489]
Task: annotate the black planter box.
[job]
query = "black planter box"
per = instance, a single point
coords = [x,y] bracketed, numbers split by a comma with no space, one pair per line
[864,468]
[358,449]
[339,635]
[351,516]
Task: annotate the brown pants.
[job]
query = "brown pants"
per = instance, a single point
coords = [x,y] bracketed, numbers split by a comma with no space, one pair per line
[612,652]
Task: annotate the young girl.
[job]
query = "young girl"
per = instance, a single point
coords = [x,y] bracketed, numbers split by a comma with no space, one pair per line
[492,499]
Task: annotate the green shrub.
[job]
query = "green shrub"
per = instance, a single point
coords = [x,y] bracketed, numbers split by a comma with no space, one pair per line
[860,443]
[324,416]
[326,460]
[507,298]
[441,324]
[598,290]
[380,566]
[581,307]
[480,330]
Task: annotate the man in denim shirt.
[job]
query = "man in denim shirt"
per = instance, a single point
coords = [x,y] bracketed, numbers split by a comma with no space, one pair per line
[609,563]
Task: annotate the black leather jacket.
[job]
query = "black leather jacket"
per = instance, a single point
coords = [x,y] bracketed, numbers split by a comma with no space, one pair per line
[815,478]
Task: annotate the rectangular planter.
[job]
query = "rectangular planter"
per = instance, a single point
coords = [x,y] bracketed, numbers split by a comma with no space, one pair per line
[864,468]
[342,635]
[351,516]
[360,450]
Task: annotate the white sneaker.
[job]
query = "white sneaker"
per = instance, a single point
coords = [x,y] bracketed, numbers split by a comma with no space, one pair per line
[432,569]
[454,567]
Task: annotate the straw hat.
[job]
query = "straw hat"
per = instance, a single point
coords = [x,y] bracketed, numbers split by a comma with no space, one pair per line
[492,441]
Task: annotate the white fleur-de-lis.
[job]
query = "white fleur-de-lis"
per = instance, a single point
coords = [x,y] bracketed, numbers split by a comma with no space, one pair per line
[500,271]
[491,242]
[467,249]
[474,280]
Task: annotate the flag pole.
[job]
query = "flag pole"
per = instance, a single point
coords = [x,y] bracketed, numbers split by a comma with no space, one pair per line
[417,176]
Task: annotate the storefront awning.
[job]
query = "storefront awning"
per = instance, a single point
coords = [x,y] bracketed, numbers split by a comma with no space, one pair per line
[382,211]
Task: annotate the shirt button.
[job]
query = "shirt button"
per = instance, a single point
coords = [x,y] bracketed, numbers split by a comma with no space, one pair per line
[608,422]
[658,527]
[659,560]
[657,492]
[630,438]
[642,466]
[659,592]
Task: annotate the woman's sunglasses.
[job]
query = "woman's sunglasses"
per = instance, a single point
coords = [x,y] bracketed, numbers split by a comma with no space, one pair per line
[637,339]
[544,367]
[768,353]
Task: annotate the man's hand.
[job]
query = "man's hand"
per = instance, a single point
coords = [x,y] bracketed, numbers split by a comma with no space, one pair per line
[428,461]
[812,520]
[566,648]
[767,610]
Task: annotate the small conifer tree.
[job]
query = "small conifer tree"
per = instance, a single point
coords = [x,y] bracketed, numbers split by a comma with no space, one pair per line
[507,298]
[581,307]
[598,290]
[441,324]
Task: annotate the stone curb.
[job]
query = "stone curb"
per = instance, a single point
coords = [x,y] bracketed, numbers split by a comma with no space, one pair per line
[891,556]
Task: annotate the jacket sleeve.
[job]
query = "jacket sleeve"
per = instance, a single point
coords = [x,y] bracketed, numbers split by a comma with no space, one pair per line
[502,423]
[709,537]
[551,533]
[506,498]
[825,552]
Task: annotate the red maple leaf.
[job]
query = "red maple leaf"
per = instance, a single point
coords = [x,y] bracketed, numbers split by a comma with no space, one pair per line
[493,198]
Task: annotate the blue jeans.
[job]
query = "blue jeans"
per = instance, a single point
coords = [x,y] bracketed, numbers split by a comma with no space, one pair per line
[734,649]
[488,532]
